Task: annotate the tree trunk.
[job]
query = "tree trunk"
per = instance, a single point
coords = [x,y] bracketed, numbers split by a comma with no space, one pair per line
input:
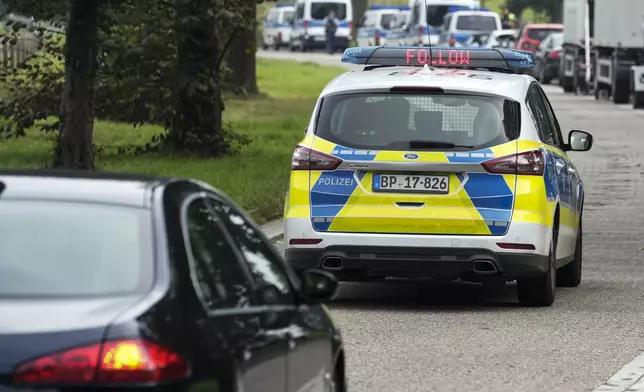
[197,125]
[359,8]
[240,57]
[74,146]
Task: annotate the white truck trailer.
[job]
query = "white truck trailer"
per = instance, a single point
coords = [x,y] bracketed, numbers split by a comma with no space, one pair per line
[577,27]
[618,46]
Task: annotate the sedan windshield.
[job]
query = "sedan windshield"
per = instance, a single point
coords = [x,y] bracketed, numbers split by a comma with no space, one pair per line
[69,249]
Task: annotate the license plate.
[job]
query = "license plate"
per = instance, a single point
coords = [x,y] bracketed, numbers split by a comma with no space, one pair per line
[410,183]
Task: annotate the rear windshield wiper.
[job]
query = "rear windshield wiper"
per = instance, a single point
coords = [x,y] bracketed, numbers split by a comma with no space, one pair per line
[422,144]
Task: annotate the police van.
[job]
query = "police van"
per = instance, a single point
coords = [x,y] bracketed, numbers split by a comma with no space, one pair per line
[308,27]
[376,24]
[459,26]
[427,18]
[277,26]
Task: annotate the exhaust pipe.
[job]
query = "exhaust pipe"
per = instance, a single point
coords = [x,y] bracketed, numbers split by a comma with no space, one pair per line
[485,267]
[333,263]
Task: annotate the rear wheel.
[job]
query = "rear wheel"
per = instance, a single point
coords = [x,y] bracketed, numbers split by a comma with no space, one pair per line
[570,274]
[543,79]
[540,290]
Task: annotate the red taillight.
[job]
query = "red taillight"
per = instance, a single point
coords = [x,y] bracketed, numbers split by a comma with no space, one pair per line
[306,24]
[123,361]
[525,163]
[555,55]
[421,32]
[307,159]
[350,26]
[452,40]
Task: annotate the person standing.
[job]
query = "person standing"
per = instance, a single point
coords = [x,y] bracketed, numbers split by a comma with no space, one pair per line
[330,29]
[509,19]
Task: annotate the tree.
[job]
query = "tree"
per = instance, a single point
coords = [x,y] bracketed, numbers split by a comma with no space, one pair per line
[74,144]
[241,59]
[74,148]
[160,61]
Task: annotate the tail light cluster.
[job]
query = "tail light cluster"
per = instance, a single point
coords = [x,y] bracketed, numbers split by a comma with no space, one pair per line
[421,33]
[307,159]
[112,362]
[524,163]
[377,38]
[555,54]
[452,41]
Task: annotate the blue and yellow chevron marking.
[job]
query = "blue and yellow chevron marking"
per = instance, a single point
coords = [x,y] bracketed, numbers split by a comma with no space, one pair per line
[477,203]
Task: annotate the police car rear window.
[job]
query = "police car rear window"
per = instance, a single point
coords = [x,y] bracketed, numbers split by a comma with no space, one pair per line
[321,10]
[386,19]
[390,120]
[476,23]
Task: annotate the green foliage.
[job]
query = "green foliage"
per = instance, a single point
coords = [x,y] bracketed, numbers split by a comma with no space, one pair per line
[256,178]
[160,62]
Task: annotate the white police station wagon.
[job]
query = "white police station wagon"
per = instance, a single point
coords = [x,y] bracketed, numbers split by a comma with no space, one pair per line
[442,163]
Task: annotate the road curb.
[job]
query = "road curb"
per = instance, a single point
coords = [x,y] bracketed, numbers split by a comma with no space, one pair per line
[274,230]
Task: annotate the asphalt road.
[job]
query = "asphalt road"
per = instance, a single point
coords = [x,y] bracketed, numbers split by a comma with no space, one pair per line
[425,336]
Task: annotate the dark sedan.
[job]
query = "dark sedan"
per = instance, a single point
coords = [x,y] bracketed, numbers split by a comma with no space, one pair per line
[547,57]
[124,282]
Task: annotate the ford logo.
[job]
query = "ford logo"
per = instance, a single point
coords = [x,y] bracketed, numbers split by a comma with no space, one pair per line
[410,156]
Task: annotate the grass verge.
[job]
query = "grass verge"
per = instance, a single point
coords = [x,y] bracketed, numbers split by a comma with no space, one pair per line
[256,178]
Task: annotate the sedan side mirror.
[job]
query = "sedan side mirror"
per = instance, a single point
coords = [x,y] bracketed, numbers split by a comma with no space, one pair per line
[579,141]
[318,286]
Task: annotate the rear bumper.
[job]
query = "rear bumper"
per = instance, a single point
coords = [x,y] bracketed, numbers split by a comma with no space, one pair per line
[419,255]
[362,262]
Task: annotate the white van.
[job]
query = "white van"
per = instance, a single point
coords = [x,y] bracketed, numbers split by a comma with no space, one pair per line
[427,17]
[308,27]
[277,26]
[459,26]
[375,24]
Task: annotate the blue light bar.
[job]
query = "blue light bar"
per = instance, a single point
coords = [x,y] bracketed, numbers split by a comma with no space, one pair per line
[455,8]
[389,7]
[283,4]
[418,56]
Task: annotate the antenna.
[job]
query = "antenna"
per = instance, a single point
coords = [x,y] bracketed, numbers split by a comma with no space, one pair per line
[429,36]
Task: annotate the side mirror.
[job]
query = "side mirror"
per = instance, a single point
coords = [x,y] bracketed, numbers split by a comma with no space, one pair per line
[579,141]
[306,130]
[318,286]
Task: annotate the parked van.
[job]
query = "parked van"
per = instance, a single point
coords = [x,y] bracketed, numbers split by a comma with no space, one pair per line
[308,27]
[374,26]
[459,26]
[427,18]
[277,26]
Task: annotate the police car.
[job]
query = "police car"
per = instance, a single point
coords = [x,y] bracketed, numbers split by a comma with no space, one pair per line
[441,163]
[375,24]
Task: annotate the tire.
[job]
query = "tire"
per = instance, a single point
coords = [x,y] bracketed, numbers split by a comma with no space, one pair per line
[540,290]
[291,47]
[542,77]
[566,84]
[570,274]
